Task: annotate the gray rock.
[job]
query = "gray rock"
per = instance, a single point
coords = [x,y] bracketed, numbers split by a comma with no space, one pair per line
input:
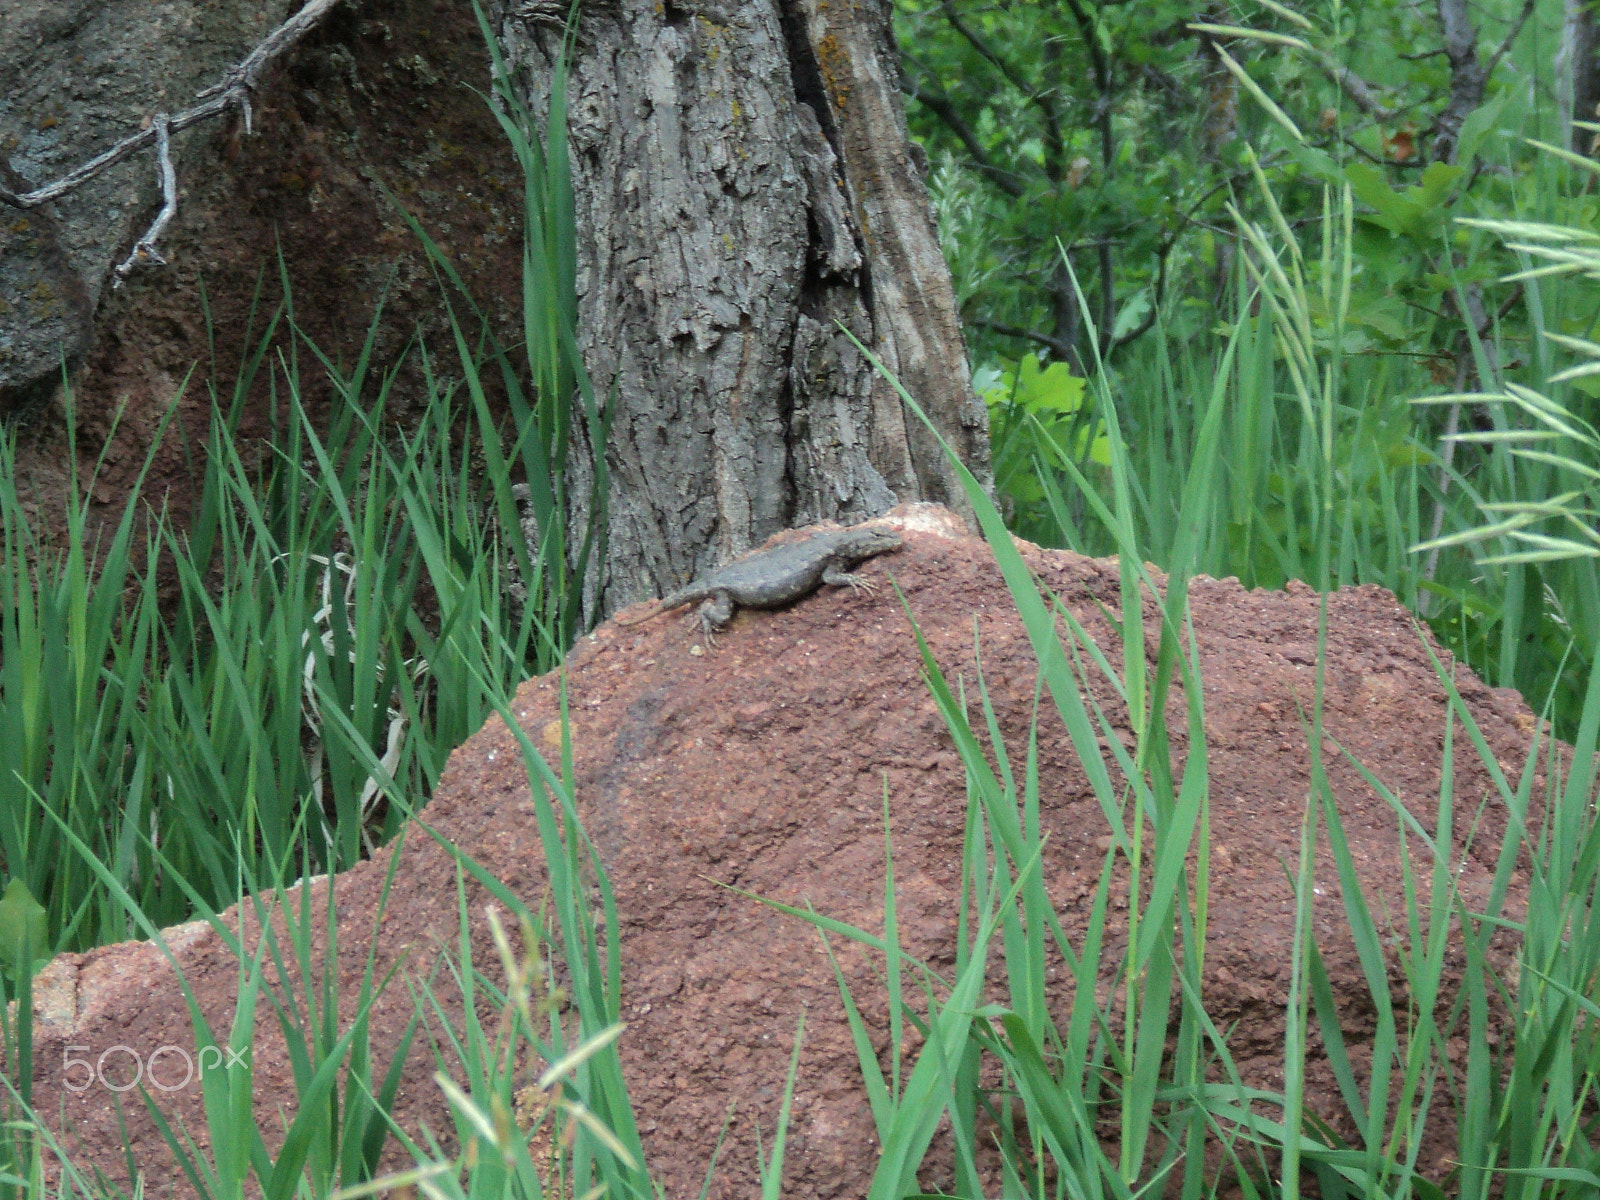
[76,76]
[46,318]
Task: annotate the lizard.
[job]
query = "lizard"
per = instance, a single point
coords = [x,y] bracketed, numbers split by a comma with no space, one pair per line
[776,576]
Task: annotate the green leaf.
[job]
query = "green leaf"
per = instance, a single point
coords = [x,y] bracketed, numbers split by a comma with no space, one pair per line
[23,930]
[1381,315]
[1055,389]
[1437,180]
[1416,212]
[1372,189]
[1133,312]
[1478,123]
[1406,454]
[1316,163]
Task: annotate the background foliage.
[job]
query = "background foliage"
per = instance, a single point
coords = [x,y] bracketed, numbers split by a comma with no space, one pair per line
[1095,167]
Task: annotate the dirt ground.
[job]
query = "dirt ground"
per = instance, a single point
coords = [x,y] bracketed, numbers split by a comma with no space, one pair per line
[762,766]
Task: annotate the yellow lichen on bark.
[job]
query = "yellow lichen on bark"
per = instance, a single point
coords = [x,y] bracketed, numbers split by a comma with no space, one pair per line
[835,66]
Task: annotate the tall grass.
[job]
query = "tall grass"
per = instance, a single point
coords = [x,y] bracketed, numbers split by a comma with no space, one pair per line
[1520,1110]
[553,405]
[341,597]
[342,619]
[345,604]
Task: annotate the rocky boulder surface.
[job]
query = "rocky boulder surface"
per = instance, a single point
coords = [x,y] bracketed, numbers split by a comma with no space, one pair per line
[762,765]
[379,107]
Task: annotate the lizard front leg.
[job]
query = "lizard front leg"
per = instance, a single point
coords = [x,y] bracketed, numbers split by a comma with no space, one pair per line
[835,574]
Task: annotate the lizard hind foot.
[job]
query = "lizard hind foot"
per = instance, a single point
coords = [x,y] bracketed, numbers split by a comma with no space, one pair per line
[713,615]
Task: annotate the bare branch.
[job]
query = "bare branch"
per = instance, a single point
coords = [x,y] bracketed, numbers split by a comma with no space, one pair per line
[242,79]
[1057,347]
[1410,164]
[1511,36]
[1102,78]
[1468,78]
[942,107]
[1043,100]
[1227,181]
[1361,93]
[985,50]
[127,147]
[1510,302]
[1091,43]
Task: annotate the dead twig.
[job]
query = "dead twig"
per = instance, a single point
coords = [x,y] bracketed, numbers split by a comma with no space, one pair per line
[144,250]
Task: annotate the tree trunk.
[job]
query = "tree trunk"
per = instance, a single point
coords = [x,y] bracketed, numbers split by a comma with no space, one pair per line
[744,185]
[1579,58]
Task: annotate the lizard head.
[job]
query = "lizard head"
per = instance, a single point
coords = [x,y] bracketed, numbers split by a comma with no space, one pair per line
[875,539]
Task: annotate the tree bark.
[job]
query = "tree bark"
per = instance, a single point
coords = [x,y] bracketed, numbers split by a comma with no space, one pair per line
[744,185]
[1579,57]
[1467,77]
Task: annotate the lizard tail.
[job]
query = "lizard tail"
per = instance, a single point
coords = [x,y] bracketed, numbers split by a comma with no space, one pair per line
[656,610]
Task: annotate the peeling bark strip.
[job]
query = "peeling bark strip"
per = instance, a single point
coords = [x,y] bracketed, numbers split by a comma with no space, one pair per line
[743,182]
[911,296]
